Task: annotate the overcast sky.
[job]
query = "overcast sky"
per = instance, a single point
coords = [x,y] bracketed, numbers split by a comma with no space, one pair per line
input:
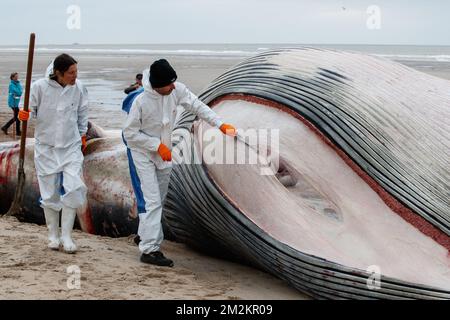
[226,21]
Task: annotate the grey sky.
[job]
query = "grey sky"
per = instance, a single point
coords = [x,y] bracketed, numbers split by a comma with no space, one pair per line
[226,21]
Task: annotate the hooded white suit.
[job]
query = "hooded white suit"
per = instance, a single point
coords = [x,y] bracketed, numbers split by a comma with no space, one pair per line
[150,122]
[61,119]
[61,115]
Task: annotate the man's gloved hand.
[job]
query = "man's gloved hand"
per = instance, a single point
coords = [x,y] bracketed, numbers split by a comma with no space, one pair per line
[165,152]
[228,129]
[24,115]
[83,143]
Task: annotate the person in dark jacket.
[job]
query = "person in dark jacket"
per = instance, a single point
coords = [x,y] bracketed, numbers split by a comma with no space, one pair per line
[15,92]
[136,85]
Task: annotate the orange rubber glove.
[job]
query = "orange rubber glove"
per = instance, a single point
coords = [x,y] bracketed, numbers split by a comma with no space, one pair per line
[228,129]
[24,115]
[164,152]
[83,143]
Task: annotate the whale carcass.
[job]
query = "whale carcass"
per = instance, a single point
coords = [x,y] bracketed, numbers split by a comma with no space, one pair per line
[359,204]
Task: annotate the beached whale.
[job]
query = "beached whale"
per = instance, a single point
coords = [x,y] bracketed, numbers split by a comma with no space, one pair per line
[111,208]
[358,205]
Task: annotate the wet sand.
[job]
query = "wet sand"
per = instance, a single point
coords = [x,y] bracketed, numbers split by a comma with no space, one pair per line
[110,269]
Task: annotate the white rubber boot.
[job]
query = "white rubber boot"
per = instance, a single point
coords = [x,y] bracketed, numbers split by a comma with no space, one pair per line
[52,221]
[67,220]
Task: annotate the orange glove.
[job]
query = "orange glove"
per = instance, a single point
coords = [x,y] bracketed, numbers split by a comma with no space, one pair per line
[164,152]
[83,143]
[228,129]
[24,115]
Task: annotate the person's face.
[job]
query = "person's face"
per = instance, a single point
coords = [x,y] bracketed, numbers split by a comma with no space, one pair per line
[68,77]
[16,77]
[139,82]
[165,91]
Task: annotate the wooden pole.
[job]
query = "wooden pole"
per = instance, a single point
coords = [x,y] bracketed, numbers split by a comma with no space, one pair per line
[16,206]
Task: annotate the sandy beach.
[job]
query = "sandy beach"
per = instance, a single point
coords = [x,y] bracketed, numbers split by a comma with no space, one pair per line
[110,268]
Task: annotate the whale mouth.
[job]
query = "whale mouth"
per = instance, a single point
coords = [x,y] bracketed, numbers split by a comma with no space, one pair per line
[317,204]
[299,185]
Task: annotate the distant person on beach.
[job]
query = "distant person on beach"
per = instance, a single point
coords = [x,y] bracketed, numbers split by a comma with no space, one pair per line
[14,94]
[147,135]
[59,103]
[135,85]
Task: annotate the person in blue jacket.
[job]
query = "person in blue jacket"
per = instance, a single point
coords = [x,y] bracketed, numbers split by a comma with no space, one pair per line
[15,92]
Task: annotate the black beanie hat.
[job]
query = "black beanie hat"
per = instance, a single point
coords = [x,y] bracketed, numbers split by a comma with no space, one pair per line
[162,74]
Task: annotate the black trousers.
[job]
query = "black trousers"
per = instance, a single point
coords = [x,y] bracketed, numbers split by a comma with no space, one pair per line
[16,119]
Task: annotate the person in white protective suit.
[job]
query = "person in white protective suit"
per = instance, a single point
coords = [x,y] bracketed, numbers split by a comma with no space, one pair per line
[147,135]
[59,103]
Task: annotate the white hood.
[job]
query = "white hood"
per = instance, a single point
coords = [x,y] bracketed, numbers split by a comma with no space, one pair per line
[146,80]
[49,70]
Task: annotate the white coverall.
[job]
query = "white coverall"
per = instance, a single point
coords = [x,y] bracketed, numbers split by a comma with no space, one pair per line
[150,122]
[61,115]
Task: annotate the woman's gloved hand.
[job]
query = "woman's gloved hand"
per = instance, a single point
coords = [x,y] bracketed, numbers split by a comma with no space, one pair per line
[83,143]
[24,115]
[165,152]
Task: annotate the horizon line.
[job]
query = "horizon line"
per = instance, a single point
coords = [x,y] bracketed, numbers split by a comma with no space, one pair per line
[235,43]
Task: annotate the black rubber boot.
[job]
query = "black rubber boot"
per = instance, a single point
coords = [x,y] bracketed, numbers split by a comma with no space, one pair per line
[156,258]
[5,130]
